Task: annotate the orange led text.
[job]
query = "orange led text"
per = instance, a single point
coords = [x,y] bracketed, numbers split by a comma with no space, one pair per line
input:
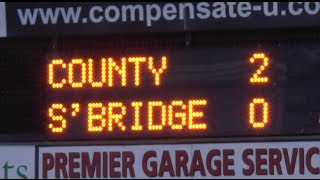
[256,77]
[137,116]
[258,103]
[104,72]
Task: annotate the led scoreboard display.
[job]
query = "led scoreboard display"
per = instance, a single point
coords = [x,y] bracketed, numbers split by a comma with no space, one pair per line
[159,87]
[157,95]
[182,92]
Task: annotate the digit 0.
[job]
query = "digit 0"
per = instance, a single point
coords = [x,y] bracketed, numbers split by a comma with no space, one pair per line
[256,77]
[57,118]
[258,103]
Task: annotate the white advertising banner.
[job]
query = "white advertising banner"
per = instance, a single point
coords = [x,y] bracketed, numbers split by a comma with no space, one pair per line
[229,160]
[3,23]
[17,162]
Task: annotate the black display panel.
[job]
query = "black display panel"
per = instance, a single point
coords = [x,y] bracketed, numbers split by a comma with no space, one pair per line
[210,88]
[189,92]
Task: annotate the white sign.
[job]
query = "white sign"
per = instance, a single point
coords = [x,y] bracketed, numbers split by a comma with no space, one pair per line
[17,162]
[229,160]
[3,23]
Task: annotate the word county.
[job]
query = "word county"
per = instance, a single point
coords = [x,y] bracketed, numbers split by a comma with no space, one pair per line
[79,73]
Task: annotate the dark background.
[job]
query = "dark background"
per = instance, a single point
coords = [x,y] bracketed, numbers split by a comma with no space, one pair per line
[294,91]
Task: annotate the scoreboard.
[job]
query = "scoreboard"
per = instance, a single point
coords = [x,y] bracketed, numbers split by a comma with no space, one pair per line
[188,92]
[159,89]
[181,93]
[245,89]
[197,83]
